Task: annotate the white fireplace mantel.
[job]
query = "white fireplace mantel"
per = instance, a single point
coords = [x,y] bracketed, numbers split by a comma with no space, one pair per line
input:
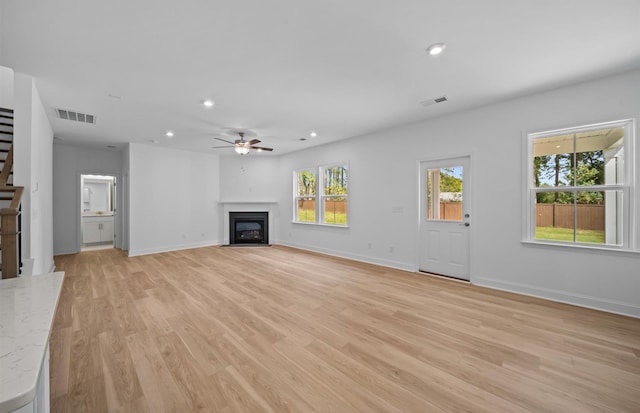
[248,206]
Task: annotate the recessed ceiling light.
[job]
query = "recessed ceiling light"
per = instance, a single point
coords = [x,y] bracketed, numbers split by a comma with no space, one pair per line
[435,49]
[208,103]
[169,134]
[313,134]
[557,146]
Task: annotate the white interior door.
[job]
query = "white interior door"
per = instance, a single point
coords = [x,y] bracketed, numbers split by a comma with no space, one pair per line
[445,217]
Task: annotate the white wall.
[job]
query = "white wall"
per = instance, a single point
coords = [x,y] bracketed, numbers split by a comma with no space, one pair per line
[384,175]
[173,197]
[69,162]
[6,88]
[249,178]
[33,141]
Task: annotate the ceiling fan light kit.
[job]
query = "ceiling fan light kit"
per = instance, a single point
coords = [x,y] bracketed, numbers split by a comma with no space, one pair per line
[242,147]
[241,150]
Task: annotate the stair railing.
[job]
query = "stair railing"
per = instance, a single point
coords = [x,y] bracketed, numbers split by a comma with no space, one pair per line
[9,232]
[10,216]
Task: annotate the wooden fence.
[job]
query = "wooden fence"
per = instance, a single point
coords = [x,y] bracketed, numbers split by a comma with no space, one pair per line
[339,207]
[590,217]
[449,211]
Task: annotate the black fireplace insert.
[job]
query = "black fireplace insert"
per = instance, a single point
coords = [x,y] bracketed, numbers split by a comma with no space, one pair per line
[248,228]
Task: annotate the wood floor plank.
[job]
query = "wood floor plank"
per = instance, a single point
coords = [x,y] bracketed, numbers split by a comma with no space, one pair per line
[60,361]
[282,330]
[157,383]
[117,362]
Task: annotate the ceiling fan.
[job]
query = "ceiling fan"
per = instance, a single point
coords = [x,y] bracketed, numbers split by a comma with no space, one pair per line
[241,146]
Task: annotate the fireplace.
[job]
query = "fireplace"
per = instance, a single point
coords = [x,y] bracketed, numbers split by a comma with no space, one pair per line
[248,228]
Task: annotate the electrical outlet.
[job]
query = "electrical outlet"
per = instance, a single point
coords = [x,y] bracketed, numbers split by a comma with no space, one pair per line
[391,250]
[369,245]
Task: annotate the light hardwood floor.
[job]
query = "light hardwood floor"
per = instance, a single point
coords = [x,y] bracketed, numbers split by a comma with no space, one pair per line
[279,330]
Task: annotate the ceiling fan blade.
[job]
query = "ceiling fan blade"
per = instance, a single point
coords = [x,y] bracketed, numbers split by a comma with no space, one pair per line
[262,148]
[254,141]
[218,147]
[224,140]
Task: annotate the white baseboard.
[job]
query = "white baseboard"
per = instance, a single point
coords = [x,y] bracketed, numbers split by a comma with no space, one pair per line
[65,251]
[169,248]
[611,306]
[356,257]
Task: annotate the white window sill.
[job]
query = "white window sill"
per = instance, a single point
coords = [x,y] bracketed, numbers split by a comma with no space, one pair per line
[319,224]
[579,247]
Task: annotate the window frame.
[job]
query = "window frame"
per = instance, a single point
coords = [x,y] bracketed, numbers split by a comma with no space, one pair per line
[322,169]
[627,187]
[320,195]
[297,197]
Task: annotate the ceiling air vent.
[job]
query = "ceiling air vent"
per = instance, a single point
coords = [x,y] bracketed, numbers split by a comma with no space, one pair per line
[75,116]
[433,101]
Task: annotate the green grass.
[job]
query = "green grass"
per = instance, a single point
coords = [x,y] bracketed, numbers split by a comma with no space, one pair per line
[566,234]
[333,219]
[306,215]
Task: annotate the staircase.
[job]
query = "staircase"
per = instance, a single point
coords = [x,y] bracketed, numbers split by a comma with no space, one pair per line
[10,197]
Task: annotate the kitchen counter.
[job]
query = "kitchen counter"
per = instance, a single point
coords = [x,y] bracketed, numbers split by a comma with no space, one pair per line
[27,308]
[97,214]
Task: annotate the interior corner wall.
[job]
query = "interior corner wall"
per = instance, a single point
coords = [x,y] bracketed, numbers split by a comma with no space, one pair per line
[33,146]
[126,193]
[69,162]
[173,199]
[383,195]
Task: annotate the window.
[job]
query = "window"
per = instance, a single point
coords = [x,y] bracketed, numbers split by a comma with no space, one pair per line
[579,189]
[331,206]
[334,195]
[305,199]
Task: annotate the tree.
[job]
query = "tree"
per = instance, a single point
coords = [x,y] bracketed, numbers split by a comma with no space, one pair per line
[336,180]
[449,182]
[585,169]
[306,183]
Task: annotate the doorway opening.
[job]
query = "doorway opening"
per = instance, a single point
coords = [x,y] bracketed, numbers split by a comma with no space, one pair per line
[98,210]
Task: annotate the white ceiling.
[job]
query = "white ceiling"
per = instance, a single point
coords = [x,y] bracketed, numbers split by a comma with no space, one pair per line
[284,68]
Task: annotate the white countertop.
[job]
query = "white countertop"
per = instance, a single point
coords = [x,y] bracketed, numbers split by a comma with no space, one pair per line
[98,214]
[27,308]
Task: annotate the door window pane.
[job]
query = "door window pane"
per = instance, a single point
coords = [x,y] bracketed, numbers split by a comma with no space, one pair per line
[444,193]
